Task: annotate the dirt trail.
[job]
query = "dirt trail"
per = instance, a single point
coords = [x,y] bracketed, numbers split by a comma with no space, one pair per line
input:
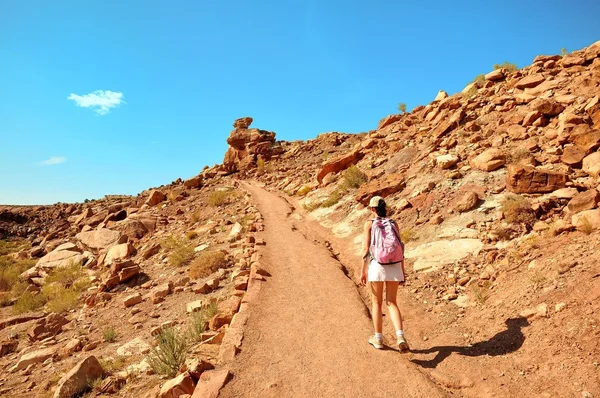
[307,332]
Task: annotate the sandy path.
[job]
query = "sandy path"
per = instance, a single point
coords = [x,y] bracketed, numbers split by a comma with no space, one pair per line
[308,329]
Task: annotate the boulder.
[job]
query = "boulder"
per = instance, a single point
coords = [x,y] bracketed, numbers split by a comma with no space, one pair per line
[60,258]
[587,220]
[210,383]
[445,162]
[547,107]
[489,160]
[386,121]
[194,182]
[34,357]
[467,202]
[572,155]
[340,163]
[441,95]
[246,146]
[79,379]
[242,123]
[160,292]
[47,327]
[155,198]
[495,75]
[527,179]
[132,300]
[180,385]
[134,347]
[99,239]
[591,164]
[8,346]
[565,193]
[585,138]
[587,200]
[119,253]
[529,81]
[382,186]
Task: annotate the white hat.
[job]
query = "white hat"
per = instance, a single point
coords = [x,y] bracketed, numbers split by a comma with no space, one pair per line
[375,201]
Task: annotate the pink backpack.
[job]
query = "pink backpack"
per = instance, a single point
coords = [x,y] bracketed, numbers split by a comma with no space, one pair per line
[386,246]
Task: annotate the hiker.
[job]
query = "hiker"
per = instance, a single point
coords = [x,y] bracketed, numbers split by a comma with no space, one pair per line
[382,243]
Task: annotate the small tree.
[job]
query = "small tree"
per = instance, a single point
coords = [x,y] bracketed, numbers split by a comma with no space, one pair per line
[563,51]
[402,107]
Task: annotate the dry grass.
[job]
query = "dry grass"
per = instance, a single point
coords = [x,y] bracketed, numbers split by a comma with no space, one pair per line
[109,334]
[407,235]
[173,194]
[481,293]
[28,302]
[220,198]
[169,353]
[180,251]
[538,279]
[506,65]
[206,263]
[260,166]
[112,365]
[517,210]
[333,198]
[303,190]
[353,177]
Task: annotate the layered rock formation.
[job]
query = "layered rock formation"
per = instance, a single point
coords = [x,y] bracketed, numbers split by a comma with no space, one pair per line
[247,146]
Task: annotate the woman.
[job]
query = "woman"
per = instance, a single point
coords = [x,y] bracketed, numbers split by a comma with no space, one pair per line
[378,275]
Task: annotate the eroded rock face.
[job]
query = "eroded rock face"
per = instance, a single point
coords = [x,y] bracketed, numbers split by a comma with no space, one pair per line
[247,145]
[525,179]
[383,186]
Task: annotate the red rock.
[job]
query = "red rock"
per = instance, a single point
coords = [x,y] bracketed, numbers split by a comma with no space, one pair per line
[180,385]
[530,81]
[17,319]
[585,138]
[119,253]
[489,160]
[161,291]
[587,200]
[8,346]
[572,156]
[194,182]
[99,239]
[47,327]
[448,124]
[242,123]
[211,383]
[386,121]
[33,357]
[338,164]
[79,378]
[132,300]
[525,179]
[572,60]
[197,366]
[383,186]
[547,107]
[591,164]
[467,202]
[155,197]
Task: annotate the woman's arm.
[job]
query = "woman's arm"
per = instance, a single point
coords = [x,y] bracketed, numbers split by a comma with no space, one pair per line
[365,251]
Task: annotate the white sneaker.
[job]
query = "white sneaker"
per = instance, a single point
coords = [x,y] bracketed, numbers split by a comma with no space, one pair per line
[376,342]
[402,344]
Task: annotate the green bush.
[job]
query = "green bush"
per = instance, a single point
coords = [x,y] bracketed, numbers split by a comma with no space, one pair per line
[169,353]
[353,177]
[109,334]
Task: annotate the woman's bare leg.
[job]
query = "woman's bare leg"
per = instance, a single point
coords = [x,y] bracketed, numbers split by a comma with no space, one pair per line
[391,291]
[376,303]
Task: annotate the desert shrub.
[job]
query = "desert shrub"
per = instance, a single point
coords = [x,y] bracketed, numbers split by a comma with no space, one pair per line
[407,235]
[12,246]
[10,271]
[303,190]
[353,177]
[333,198]
[402,107]
[506,65]
[111,365]
[219,198]
[517,210]
[59,298]
[471,92]
[481,293]
[480,79]
[28,302]
[260,166]
[563,51]
[537,279]
[197,326]
[311,206]
[191,235]
[206,263]
[109,334]
[169,353]
[180,251]
[68,275]
[196,216]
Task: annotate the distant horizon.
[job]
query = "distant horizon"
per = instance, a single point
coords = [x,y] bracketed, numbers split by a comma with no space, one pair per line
[124,96]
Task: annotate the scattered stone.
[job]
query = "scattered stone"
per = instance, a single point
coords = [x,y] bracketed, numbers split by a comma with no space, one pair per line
[530,81]
[79,378]
[490,160]
[467,202]
[134,347]
[47,327]
[445,162]
[99,239]
[8,346]
[525,179]
[591,164]
[155,198]
[587,200]
[160,292]
[175,388]
[132,300]
[33,357]
[210,383]
[383,186]
[588,220]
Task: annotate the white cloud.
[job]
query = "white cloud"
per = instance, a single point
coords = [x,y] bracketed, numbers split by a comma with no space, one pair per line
[53,160]
[100,101]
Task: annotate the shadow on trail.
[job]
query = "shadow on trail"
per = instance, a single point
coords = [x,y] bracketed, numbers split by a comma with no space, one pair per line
[504,342]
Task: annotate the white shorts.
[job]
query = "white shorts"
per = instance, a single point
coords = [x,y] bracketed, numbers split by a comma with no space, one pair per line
[382,273]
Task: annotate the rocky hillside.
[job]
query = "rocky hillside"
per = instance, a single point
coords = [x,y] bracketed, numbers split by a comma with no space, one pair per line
[496,190]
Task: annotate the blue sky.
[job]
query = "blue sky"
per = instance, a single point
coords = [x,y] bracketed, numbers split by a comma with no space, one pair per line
[183,71]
